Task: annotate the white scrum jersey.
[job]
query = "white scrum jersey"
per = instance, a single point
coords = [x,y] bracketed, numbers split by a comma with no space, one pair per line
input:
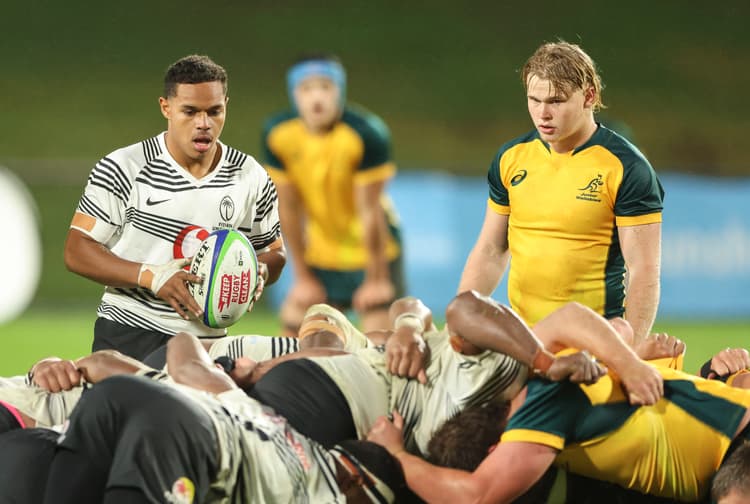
[256,347]
[455,381]
[149,209]
[262,459]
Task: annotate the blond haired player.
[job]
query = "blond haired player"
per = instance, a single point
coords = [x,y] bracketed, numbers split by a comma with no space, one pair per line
[573,204]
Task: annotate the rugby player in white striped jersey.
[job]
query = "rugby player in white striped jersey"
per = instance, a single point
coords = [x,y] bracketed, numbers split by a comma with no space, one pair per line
[147,206]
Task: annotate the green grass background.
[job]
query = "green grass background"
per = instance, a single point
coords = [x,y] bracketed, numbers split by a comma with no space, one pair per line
[67,333]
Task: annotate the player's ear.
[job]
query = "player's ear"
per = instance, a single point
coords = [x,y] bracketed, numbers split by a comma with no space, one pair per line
[164,107]
[589,97]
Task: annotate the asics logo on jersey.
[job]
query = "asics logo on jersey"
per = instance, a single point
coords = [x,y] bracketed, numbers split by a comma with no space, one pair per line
[151,202]
[518,177]
[591,191]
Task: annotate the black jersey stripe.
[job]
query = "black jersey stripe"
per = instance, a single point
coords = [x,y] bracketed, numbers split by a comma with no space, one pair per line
[108,175]
[327,469]
[282,346]
[505,375]
[129,319]
[287,454]
[116,172]
[87,206]
[151,148]
[145,298]
[260,242]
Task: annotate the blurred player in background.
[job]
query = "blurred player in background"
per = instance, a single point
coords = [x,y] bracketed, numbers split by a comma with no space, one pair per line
[330,163]
[573,203]
[146,207]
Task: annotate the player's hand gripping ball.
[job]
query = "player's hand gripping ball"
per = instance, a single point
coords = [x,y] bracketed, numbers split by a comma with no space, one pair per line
[229,267]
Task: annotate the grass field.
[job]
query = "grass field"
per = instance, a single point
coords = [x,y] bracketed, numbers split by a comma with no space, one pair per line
[67,333]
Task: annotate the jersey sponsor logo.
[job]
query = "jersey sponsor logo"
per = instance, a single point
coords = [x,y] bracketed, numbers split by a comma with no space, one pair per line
[518,177]
[151,202]
[226,208]
[183,492]
[592,190]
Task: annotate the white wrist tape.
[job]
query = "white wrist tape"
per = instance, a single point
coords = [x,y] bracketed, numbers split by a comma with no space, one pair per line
[409,320]
[154,276]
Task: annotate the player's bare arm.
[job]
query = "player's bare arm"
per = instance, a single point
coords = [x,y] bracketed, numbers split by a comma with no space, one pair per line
[273,259]
[641,249]
[91,259]
[478,321]
[577,326]
[488,258]
[510,470]
[377,287]
[189,364]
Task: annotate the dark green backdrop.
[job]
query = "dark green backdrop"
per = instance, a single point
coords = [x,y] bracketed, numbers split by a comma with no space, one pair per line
[80,79]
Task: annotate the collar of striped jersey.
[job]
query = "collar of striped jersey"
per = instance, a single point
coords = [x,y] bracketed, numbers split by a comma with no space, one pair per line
[375,489]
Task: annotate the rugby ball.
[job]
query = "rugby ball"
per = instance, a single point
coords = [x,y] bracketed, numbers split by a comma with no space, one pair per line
[227,263]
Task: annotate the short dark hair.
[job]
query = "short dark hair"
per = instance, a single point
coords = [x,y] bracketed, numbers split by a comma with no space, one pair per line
[462,442]
[734,474]
[193,69]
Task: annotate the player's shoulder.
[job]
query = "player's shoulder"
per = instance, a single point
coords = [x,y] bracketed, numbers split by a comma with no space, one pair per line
[366,124]
[518,142]
[277,120]
[619,146]
[134,156]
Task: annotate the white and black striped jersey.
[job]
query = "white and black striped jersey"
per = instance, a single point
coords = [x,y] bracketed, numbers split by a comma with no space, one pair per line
[262,459]
[149,209]
[258,348]
[455,381]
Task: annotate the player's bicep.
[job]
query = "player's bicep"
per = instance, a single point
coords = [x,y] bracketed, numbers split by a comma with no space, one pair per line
[512,468]
[641,245]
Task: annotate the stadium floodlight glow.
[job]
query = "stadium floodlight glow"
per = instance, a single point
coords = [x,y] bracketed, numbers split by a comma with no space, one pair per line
[21,252]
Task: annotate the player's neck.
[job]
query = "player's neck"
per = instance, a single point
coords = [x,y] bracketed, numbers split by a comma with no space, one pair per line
[574,141]
[197,167]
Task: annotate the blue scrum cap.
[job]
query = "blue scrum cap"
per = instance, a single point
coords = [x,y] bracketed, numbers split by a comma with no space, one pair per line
[320,68]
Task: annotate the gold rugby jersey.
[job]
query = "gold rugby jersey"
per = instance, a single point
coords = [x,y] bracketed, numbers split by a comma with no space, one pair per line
[670,449]
[325,169]
[564,211]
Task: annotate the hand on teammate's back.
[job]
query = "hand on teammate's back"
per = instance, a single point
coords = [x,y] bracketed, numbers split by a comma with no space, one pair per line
[658,346]
[579,367]
[55,375]
[642,383]
[407,354]
[729,361]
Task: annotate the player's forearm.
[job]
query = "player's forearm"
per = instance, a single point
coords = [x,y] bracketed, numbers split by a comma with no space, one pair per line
[105,363]
[484,269]
[488,325]
[274,257]
[89,258]
[642,301]
[293,230]
[189,364]
[577,326]
[438,484]
[375,232]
